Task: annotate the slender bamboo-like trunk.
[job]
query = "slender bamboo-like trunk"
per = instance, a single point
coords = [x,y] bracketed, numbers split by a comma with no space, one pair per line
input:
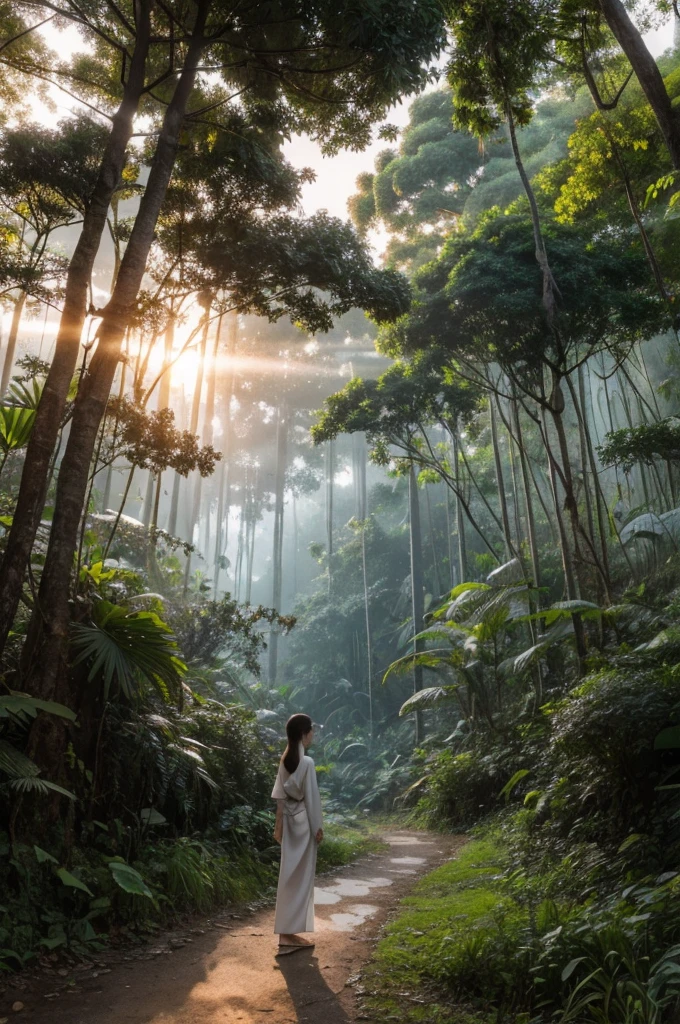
[361,508]
[417,601]
[570,575]
[363,516]
[174,505]
[47,423]
[277,559]
[460,517]
[193,427]
[147,506]
[251,545]
[433,546]
[222,529]
[500,482]
[218,528]
[121,509]
[330,481]
[449,538]
[528,500]
[157,501]
[295,545]
[46,644]
[600,503]
[208,426]
[647,73]
[516,504]
[238,568]
[8,364]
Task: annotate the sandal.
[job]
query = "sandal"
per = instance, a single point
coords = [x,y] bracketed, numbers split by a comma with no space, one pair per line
[290,947]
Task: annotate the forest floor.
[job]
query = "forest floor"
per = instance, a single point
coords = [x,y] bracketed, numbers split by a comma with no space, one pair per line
[222,970]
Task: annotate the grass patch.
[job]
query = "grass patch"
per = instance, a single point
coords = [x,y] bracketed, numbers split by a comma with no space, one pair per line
[343,843]
[447,932]
[481,940]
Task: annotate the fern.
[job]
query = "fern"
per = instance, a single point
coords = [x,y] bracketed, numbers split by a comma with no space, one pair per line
[23,773]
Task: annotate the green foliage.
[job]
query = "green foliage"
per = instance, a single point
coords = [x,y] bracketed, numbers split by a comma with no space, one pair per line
[150,440]
[16,425]
[122,648]
[477,931]
[646,443]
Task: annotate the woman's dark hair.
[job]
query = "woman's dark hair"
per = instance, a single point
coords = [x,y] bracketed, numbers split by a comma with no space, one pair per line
[297,726]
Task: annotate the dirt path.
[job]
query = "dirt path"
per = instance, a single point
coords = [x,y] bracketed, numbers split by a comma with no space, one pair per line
[225,972]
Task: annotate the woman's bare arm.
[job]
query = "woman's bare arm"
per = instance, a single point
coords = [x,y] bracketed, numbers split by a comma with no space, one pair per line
[278,827]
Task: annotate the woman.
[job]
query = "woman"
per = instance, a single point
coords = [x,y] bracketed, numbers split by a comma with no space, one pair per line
[298,830]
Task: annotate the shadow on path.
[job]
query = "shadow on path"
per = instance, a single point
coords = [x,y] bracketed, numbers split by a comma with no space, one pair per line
[313,999]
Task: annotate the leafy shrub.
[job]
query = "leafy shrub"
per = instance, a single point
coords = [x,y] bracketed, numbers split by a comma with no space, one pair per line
[461,788]
[477,934]
[601,770]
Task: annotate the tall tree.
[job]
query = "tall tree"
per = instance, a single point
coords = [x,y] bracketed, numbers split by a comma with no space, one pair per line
[385,41]
[35,475]
[282,428]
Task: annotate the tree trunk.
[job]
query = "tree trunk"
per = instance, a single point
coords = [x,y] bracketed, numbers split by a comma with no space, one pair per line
[500,482]
[174,505]
[34,477]
[460,518]
[45,647]
[147,507]
[205,301]
[528,500]
[436,584]
[330,480]
[251,545]
[106,500]
[570,577]
[238,566]
[367,615]
[647,72]
[279,490]
[600,503]
[222,528]
[8,364]
[417,602]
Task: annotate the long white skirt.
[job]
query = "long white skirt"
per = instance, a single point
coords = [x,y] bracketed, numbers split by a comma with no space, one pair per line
[295,894]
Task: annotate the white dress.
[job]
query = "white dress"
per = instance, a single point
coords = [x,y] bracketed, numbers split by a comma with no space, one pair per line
[300,802]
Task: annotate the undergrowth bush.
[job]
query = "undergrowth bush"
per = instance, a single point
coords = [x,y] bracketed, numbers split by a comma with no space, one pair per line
[479,935]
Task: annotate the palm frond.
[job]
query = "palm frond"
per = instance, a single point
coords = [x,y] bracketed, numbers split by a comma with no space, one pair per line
[16,425]
[124,648]
[431,697]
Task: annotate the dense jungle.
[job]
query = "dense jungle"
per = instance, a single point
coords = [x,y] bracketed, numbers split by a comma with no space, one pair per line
[413,469]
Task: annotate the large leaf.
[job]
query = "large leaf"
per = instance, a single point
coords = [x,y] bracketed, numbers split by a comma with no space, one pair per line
[668,739]
[512,782]
[15,764]
[123,648]
[128,879]
[428,659]
[43,857]
[25,394]
[430,697]
[18,703]
[16,425]
[71,881]
[24,774]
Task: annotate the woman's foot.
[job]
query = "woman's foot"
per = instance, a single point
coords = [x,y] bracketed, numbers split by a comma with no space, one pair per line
[290,943]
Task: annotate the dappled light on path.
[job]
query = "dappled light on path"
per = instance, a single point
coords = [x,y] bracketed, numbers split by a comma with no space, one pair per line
[225,972]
